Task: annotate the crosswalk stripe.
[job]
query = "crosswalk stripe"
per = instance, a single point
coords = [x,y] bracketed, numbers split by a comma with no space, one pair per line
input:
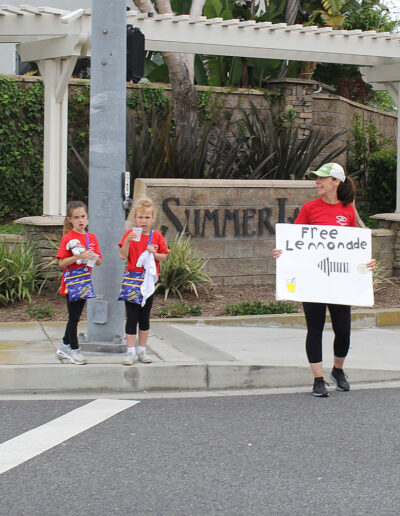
[40,439]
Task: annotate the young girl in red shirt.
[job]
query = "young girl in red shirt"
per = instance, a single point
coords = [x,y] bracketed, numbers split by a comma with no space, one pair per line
[143,216]
[76,248]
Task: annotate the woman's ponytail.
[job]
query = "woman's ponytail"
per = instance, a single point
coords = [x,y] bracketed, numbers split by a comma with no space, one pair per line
[346,191]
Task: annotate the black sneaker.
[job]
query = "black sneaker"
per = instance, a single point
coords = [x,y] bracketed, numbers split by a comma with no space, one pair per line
[338,376]
[319,388]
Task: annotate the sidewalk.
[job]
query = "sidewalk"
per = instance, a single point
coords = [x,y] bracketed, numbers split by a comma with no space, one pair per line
[218,353]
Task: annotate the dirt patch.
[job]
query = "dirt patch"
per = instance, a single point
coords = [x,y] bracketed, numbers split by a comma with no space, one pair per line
[213,304]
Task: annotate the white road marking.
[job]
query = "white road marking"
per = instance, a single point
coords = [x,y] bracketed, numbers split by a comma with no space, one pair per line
[40,439]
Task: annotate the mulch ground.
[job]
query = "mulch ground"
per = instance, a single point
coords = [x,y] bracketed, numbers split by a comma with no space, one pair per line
[212,304]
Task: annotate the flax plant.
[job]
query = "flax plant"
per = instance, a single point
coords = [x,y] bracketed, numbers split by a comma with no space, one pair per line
[19,273]
[183,269]
[381,276]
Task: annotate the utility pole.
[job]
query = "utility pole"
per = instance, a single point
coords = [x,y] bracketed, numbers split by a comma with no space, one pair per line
[107,159]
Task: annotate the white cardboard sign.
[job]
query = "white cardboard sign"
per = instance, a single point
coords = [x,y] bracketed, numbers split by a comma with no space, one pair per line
[324,264]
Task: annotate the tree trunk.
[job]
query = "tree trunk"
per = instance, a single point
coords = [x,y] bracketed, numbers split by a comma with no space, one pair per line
[291,10]
[144,6]
[184,94]
[196,9]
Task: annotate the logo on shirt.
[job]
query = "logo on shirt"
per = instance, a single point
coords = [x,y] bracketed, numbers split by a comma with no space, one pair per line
[342,220]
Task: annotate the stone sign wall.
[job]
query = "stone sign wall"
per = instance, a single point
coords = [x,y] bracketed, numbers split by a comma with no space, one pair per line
[232,222]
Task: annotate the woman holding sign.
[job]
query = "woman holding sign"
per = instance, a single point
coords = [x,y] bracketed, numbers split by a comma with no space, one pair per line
[332,208]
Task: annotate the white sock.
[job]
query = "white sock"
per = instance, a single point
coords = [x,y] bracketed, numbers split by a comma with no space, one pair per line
[141,349]
[132,350]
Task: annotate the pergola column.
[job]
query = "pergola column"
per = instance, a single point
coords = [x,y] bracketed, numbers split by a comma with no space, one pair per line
[396,98]
[55,73]
[387,77]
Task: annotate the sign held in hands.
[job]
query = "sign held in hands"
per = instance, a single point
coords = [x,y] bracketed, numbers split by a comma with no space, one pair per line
[324,264]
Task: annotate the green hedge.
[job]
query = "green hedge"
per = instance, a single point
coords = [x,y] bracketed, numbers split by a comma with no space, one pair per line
[21,147]
[381,181]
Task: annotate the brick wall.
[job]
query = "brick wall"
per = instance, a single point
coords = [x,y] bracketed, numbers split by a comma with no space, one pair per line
[317,106]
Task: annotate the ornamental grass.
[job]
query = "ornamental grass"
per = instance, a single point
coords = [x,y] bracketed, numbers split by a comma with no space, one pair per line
[19,272]
[183,269]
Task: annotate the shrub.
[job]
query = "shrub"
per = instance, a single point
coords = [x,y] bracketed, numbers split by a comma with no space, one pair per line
[381,181]
[367,141]
[259,308]
[365,212]
[179,310]
[11,229]
[21,142]
[381,276]
[183,269]
[19,273]
[273,149]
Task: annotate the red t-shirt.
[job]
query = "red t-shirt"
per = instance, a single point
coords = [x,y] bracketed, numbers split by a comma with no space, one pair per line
[321,213]
[63,252]
[137,248]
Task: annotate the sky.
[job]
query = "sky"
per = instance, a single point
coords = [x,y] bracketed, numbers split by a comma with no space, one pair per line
[394,8]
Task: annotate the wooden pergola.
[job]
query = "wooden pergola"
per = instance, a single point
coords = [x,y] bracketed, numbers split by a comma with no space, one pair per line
[56,38]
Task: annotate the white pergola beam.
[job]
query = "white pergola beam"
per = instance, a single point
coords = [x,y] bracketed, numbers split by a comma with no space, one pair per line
[67,68]
[54,48]
[180,18]
[228,23]
[29,9]
[52,10]
[382,73]
[213,21]
[197,19]
[262,25]
[378,35]
[247,23]
[266,40]
[72,16]
[27,26]
[11,9]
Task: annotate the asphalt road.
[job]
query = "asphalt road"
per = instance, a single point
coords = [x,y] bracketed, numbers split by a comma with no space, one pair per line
[285,454]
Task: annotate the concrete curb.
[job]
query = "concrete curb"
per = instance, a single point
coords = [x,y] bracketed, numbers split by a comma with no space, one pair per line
[102,377]
[164,377]
[360,319]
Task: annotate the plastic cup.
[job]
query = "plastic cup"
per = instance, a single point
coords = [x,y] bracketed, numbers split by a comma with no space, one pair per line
[137,232]
[92,262]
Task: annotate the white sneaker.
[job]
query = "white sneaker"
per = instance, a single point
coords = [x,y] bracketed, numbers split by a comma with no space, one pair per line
[144,357]
[77,358]
[63,352]
[130,359]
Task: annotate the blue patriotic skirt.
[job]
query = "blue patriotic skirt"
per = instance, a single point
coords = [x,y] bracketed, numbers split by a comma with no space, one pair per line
[78,283]
[130,288]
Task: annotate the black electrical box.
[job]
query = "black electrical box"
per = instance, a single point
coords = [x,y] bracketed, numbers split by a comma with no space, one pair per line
[134,54]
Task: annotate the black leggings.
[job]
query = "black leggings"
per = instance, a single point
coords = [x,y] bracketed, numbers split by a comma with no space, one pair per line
[74,314]
[138,314]
[341,322]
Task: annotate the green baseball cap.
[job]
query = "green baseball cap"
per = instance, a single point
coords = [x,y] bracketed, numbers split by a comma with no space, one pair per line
[329,170]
